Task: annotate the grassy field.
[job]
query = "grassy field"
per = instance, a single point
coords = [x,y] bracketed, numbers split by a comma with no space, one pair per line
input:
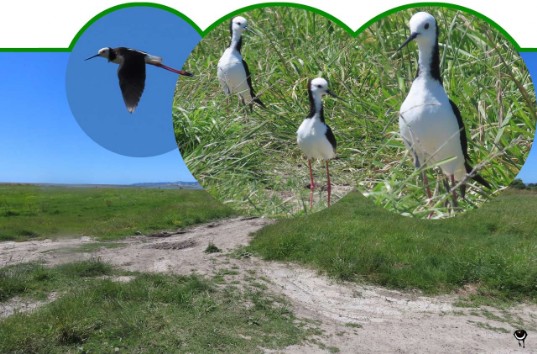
[493,248]
[152,313]
[251,161]
[28,212]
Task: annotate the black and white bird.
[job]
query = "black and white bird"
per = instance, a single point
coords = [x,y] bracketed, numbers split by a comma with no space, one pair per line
[430,123]
[131,71]
[521,335]
[233,72]
[314,136]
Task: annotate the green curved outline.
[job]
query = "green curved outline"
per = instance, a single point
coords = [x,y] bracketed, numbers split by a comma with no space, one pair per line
[275,4]
[280,4]
[451,6]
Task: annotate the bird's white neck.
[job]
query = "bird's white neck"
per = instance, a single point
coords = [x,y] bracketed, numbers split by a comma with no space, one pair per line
[425,59]
[429,60]
[316,106]
[317,102]
[236,40]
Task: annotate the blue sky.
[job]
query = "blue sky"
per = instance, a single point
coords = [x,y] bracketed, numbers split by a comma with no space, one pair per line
[41,141]
[528,173]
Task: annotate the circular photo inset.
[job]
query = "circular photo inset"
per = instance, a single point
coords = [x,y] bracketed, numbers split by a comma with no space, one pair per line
[269,126]
[121,77]
[451,110]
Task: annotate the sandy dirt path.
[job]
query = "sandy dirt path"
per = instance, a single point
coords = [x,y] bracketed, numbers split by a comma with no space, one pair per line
[353,318]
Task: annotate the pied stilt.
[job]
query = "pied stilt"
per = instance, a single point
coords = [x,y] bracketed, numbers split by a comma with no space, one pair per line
[131,71]
[314,136]
[233,72]
[430,123]
[521,335]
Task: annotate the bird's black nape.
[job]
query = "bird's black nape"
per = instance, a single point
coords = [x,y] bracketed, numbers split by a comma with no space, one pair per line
[434,65]
[435,60]
[238,45]
[313,109]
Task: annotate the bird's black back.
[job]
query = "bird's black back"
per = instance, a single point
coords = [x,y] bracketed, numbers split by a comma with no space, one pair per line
[131,74]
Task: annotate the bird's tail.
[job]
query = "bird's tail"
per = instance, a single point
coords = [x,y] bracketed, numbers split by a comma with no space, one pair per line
[258,101]
[475,176]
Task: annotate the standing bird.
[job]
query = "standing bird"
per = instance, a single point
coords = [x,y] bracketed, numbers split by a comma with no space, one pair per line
[521,335]
[131,71]
[233,72]
[314,136]
[430,123]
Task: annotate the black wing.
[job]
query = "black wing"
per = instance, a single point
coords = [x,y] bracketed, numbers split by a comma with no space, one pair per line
[462,130]
[464,146]
[131,76]
[249,81]
[331,137]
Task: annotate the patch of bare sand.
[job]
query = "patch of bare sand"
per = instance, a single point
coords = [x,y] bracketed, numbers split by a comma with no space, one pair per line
[353,318]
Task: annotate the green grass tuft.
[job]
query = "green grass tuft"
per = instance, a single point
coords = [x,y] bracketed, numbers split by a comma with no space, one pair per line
[493,248]
[152,313]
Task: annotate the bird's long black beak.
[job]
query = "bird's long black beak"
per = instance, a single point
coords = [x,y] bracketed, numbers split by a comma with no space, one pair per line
[248,29]
[93,56]
[333,94]
[408,40]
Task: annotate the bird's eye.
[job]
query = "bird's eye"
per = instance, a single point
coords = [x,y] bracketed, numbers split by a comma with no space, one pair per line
[239,23]
[320,86]
[426,26]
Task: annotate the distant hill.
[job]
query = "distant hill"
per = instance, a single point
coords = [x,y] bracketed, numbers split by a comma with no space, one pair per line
[156,185]
[169,185]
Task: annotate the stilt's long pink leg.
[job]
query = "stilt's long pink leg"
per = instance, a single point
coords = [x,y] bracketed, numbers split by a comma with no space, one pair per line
[312,184]
[426,182]
[454,191]
[329,185]
[428,190]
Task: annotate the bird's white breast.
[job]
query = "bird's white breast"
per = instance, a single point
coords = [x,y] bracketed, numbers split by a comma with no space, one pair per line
[232,75]
[429,126]
[311,138]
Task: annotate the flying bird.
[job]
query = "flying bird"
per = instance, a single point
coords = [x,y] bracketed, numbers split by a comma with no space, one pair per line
[232,71]
[131,71]
[314,136]
[430,123]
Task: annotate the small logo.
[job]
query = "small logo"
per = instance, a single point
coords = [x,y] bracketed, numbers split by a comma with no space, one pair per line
[521,335]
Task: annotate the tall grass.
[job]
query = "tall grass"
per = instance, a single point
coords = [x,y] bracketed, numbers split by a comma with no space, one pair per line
[251,161]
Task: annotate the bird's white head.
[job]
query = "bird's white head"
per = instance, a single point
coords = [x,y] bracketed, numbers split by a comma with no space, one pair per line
[238,25]
[422,29]
[423,25]
[319,87]
[103,52]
